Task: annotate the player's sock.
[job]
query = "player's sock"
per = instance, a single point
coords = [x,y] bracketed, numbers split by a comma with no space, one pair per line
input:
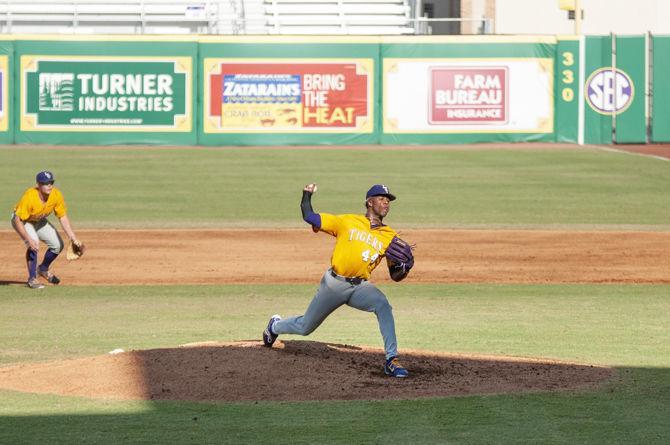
[31,259]
[49,257]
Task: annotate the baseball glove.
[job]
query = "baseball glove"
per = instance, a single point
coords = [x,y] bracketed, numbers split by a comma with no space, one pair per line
[75,250]
[399,252]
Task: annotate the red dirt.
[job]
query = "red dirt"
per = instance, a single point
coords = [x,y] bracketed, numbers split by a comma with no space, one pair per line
[291,370]
[299,256]
[300,370]
[658,150]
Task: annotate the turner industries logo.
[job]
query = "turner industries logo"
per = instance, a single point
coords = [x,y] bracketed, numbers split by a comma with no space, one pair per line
[56,92]
[104,93]
[468,95]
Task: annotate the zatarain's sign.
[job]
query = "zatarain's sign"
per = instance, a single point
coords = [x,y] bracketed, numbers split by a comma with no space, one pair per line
[109,93]
[288,95]
[609,91]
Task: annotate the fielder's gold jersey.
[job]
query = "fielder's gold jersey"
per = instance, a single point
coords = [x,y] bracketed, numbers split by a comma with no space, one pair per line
[359,248]
[31,208]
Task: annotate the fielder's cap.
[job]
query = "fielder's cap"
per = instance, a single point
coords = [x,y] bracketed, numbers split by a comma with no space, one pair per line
[380,190]
[45,176]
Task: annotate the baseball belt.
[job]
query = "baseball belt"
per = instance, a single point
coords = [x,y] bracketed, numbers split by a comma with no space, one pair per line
[349,280]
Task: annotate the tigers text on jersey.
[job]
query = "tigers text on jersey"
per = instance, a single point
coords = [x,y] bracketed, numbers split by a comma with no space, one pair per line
[31,208]
[359,248]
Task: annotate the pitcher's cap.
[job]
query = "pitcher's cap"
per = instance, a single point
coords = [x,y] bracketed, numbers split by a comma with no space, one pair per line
[45,176]
[380,190]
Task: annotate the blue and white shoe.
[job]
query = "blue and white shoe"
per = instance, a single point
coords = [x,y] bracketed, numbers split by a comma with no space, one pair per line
[51,278]
[393,368]
[269,336]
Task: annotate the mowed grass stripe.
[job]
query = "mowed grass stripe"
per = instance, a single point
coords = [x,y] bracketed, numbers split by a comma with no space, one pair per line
[602,324]
[195,187]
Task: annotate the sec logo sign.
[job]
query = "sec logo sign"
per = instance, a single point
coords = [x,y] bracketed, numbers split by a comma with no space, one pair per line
[609,91]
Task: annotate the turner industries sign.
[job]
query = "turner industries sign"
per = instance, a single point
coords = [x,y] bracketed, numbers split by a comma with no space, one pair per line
[462,95]
[141,94]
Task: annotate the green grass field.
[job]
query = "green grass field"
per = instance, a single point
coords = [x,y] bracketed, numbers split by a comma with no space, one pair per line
[134,187]
[620,326]
[623,326]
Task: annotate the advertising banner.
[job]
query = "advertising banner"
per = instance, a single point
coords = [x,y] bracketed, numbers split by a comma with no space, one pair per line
[468,96]
[288,96]
[4,93]
[110,94]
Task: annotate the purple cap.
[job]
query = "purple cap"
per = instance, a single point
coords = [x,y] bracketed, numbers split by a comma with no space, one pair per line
[44,176]
[380,190]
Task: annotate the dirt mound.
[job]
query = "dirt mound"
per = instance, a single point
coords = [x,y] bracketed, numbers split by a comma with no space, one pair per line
[291,371]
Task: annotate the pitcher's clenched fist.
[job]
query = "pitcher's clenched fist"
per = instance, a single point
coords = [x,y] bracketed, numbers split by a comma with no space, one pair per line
[311,188]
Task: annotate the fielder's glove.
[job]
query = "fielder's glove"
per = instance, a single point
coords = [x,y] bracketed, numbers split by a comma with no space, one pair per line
[75,250]
[399,254]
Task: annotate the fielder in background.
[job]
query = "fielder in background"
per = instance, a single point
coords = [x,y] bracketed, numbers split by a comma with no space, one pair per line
[362,242]
[30,222]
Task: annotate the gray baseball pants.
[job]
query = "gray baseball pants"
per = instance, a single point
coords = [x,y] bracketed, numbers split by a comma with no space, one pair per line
[332,294]
[43,230]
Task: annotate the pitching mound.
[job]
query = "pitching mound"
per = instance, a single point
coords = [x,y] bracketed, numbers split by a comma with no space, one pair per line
[291,371]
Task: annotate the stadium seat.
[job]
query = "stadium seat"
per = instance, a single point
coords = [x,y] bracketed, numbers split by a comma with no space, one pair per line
[206,17]
[338,17]
[115,16]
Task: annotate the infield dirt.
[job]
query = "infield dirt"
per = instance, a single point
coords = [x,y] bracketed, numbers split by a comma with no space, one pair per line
[247,256]
[302,370]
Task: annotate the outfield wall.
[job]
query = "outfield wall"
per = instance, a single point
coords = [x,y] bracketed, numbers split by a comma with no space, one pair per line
[283,90]
[6,94]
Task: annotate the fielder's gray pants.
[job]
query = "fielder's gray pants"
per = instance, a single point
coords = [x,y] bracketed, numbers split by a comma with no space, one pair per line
[42,230]
[332,294]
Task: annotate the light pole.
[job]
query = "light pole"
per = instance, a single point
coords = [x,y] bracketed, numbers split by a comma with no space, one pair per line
[578,17]
[574,8]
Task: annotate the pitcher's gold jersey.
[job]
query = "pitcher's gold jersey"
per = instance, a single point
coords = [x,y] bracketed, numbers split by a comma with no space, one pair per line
[359,248]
